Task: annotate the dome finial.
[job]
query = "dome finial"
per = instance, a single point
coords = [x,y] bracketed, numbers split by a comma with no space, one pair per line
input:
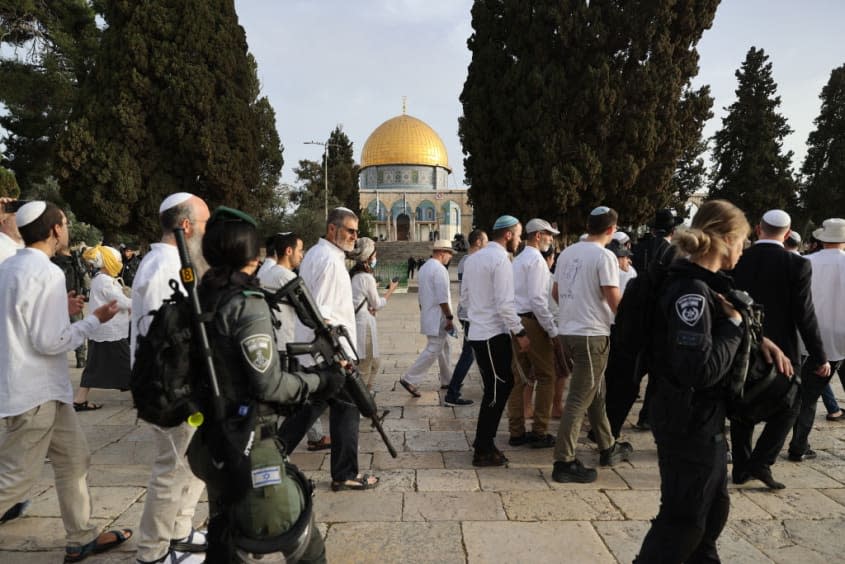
[404,105]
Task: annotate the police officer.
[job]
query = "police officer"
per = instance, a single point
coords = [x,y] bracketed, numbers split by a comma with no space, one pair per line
[269,510]
[697,335]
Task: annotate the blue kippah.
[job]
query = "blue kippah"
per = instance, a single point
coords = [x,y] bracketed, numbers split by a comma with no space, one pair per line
[601,210]
[505,221]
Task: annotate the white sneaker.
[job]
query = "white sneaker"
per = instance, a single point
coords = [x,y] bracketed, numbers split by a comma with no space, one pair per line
[178,557]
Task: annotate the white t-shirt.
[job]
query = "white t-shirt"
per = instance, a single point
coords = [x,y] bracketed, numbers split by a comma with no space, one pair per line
[582,270]
[274,277]
[433,280]
[828,287]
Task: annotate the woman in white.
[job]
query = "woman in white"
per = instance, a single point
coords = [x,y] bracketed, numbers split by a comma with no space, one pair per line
[367,303]
[108,345]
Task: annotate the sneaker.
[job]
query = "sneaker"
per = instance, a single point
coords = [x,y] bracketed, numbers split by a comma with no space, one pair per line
[16,511]
[573,471]
[194,542]
[619,452]
[457,402]
[178,557]
[808,454]
[546,441]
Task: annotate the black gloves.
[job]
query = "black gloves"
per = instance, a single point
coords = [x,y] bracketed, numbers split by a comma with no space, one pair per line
[331,380]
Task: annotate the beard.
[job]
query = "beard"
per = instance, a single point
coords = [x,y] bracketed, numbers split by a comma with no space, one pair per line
[511,246]
[342,243]
[194,245]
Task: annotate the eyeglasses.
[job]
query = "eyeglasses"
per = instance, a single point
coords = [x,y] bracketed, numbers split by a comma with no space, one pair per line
[349,230]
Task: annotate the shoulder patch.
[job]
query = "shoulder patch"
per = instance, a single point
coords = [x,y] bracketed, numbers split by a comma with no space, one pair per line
[690,308]
[258,351]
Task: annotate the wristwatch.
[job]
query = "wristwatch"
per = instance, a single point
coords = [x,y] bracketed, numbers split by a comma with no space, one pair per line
[520,334]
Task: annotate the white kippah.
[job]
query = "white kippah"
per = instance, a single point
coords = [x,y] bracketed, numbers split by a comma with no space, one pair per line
[621,236]
[174,200]
[29,212]
[777,218]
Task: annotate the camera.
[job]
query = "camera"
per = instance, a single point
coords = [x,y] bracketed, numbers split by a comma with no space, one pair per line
[14,205]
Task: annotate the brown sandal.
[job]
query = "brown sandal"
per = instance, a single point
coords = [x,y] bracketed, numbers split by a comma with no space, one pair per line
[321,444]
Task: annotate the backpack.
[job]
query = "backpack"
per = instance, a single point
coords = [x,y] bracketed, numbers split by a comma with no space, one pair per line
[635,314]
[166,364]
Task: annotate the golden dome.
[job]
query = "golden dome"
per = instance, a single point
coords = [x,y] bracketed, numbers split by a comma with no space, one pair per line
[404,140]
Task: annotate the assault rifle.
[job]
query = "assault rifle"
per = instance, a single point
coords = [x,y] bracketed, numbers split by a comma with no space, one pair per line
[330,351]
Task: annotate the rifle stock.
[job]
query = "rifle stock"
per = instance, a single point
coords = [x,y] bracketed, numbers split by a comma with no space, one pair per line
[330,350]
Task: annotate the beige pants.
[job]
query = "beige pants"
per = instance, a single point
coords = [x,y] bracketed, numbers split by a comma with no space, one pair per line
[51,429]
[540,358]
[368,366]
[586,394]
[172,494]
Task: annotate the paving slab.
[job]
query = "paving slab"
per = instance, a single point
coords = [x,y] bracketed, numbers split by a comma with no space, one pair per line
[511,479]
[607,480]
[451,480]
[409,543]
[797,504]
[562,505]
[453,506]
[107,502]
[418,441]
[383,460]
[500,542]
[370,505]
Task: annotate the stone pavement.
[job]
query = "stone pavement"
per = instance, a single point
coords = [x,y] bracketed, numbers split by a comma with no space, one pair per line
[433,506]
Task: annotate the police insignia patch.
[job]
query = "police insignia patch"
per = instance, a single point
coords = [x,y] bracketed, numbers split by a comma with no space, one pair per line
[258,351]
[690,308]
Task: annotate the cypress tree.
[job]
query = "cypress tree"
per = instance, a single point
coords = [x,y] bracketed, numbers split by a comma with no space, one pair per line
[170,106]
[571,104]
[8,183]
[750,167]
[824,166]
[342,174]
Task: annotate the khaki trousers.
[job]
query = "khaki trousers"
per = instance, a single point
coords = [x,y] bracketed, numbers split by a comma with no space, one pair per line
[540,358]
[368,366]
[586,394]
[172,494]
[50,429]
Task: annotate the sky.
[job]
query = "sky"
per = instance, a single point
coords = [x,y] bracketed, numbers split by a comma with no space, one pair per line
[329,62]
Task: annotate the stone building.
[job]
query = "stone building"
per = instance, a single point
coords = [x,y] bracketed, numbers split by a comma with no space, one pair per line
[404,185]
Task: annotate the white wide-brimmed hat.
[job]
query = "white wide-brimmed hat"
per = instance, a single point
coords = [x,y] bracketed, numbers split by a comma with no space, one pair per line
[443,245]
[831,231]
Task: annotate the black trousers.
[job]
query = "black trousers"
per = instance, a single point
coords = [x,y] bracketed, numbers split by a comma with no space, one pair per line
[770,442]
[343,427]
[494,362]
[694,504]
[623,377]
[811,389]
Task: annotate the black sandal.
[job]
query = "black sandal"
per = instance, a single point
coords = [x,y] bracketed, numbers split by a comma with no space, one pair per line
[359,483]
[86,406]
[411,388]
[79,553]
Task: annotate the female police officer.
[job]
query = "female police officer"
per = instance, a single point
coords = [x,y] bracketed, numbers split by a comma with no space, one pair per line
[696,336]
[261,504]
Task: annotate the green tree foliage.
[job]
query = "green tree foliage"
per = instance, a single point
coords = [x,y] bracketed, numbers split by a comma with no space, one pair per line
[170,106]
[690,176]
[8,183]
[750,167]
[46,51]
[824,166]
[342,175]
[570,104]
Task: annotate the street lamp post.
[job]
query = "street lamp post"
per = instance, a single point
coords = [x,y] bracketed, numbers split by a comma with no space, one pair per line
[325,146]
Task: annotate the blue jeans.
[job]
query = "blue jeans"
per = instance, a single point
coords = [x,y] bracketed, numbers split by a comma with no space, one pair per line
[829,400]
[462,367]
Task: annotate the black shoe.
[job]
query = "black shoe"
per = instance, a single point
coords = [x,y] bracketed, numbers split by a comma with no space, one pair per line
[492,458]
[739,476]
[765,476]
[619,452]
[17,510]
[591,436]
[808,454]
[457,402]
[573,472]
[444,386]
[643,426]
[546,441]
[522,439]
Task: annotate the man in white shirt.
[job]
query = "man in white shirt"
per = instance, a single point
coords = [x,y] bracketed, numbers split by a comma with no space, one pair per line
[531,292]
[166,532]
[10,238]
[436,319]
[37,418]
[324,272]
[828,291]
[587,288]
[487,290]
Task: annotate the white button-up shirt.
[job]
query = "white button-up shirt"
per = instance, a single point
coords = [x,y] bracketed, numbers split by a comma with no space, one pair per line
[323,270]
[36,333]
[151,287]
[8,247]
[828,287]
[531,277]
[273,278]
[104,289]
[433,280]
[487,291]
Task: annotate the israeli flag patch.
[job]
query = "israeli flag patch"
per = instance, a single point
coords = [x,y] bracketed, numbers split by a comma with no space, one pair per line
[690,308]
[267,476]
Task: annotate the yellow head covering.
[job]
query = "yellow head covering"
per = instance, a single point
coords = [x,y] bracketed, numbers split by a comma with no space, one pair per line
[107,259]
